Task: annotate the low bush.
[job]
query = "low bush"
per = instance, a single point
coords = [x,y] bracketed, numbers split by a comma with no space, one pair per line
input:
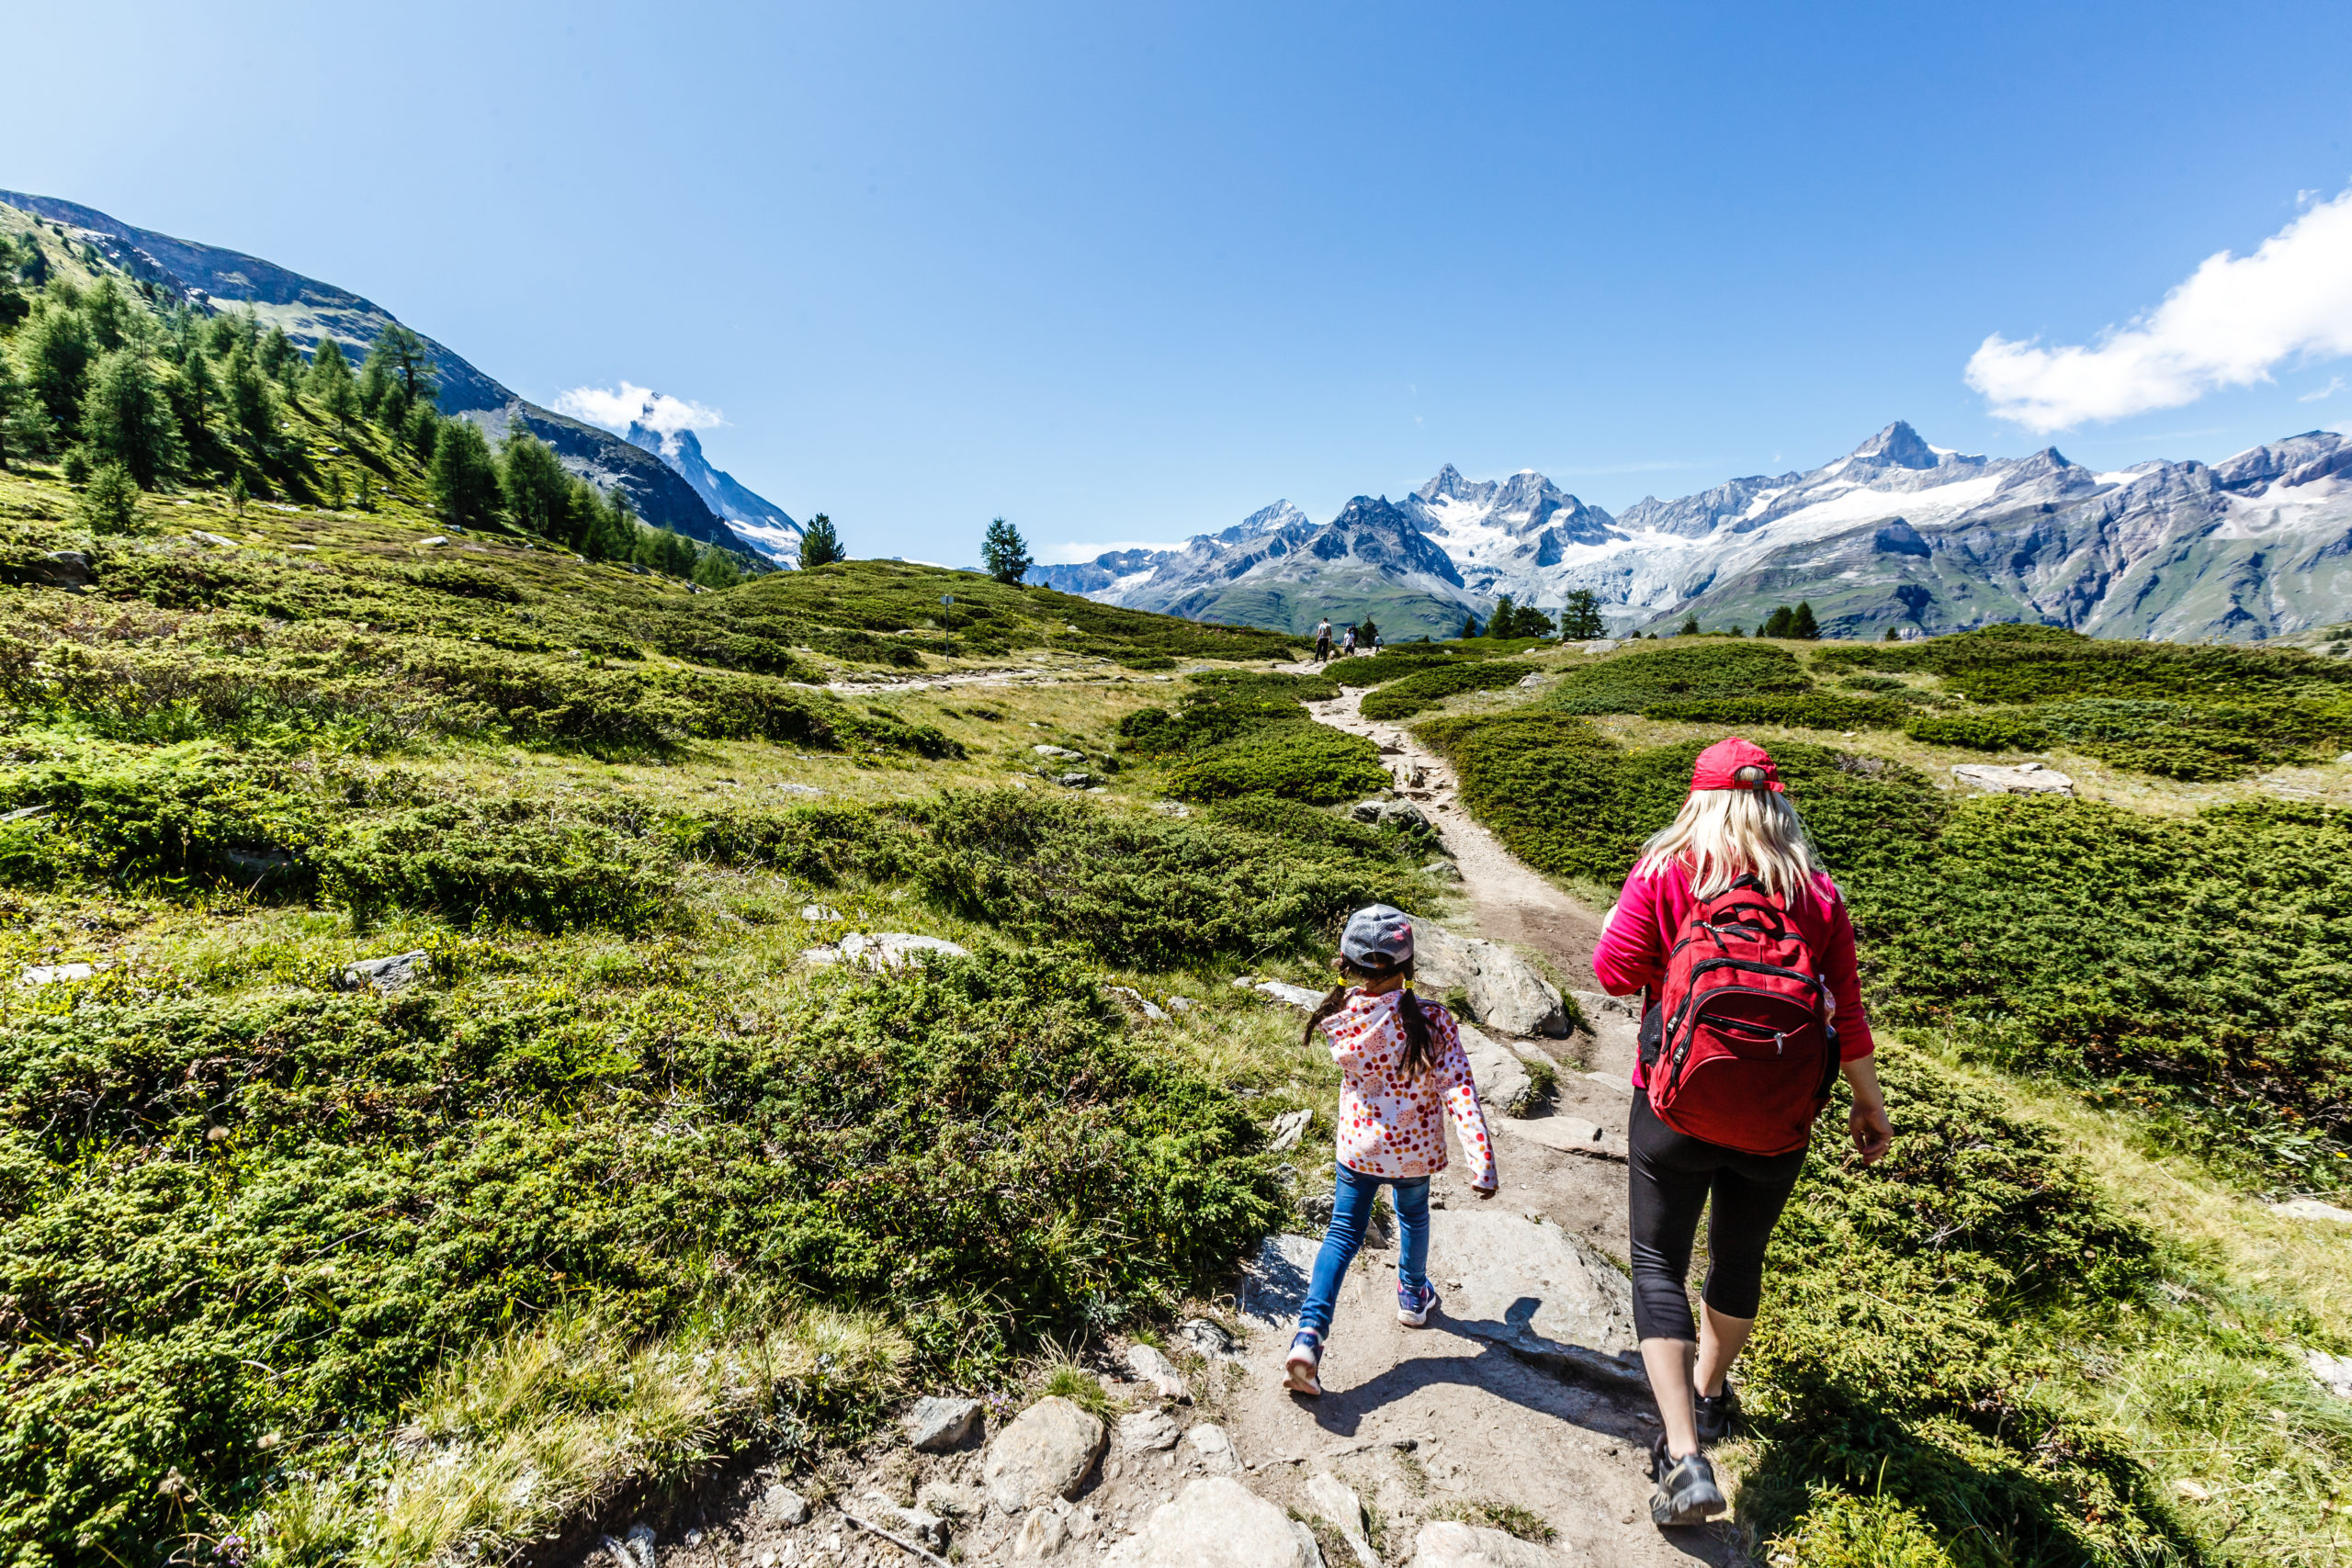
[1410,658]
[1812,710]
[1640,679]
[1429,687]
[501,864]
[1990,729]
[183,819]
[973,1148]
[1300,762]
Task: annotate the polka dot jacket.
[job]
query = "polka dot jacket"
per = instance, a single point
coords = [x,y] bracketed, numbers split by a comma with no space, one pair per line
[1391,1125]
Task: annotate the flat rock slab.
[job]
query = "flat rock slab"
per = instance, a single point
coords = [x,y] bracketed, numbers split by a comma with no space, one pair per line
[2313,1209]
[1499,1073]
[1296,995]
[1217,1523]
[51,974]
[1274,1285]
[395,973]
[1548,1297]
[2026,778]
[1147,1431]
[1044,1452]
[1449,1544]
[889,950]
[1569,1135]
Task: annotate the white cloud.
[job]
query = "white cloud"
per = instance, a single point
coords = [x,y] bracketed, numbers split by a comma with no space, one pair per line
[629,403]
[2234,321]
[2335,385]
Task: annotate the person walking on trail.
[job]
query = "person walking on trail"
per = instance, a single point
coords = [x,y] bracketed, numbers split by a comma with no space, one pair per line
[1743,949]
[1323,642]
[1402,1073]
[1348,650]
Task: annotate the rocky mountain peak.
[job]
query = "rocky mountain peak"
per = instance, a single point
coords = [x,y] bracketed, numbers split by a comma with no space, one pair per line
[1449,485]
[1898,446]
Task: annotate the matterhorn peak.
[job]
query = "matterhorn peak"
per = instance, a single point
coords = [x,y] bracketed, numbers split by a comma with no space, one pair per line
[1900,445]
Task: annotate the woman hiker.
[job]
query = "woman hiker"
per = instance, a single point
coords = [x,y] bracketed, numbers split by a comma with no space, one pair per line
[1743,947]
[1402,1073]
[1323,641]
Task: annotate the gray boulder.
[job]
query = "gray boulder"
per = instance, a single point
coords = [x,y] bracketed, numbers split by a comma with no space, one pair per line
[1273,1286]
[1150,1366]
[1296,995]
[784,1505]
[1217,1523]
[1043,1453]
[1151,1011]
[1336,1504]
[1502,1078]
[893,949]
[1147,1431]
[395,973]
[54,973]
[936,1425]
[1547,1296]
[1508,994]
[1059,753]
[1287,1130]
[1569,1135]
[2026,778]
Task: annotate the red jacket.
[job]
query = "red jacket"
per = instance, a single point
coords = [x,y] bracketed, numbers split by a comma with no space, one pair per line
[1652,911]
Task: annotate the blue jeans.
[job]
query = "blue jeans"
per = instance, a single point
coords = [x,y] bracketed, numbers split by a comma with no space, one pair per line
[1351,1212]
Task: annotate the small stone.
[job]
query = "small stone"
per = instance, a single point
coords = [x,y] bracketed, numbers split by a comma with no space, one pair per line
[1287,1130]
[1147,1431]
[442,540]
[202,537]
[1044,1452]
[1295,996]
[925,1527]
[1150,1366]
[2313,1209]
[1336,1503]
[1574,1135]
[2333,1373]
[1076,781]
[1181,1004]
[1442,871]
[1152,1013]
[395,973]
[951,1501]
[893,949]
[784,1505]
[936,1425]
[1212,1447]
[1059,753]
[2191,1490]
[2028,778]
[1274,1285]
[51,974]
[1209,1338]
[814,912]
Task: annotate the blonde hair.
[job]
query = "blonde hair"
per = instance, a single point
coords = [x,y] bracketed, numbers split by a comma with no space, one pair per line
[1721,835]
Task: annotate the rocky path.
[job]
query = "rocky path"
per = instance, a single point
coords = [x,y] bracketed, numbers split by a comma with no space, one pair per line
[1520,1404]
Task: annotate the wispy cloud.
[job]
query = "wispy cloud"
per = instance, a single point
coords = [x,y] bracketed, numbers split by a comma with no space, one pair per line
[2335,385]
[1629,469]
[619,407]
[2234,321]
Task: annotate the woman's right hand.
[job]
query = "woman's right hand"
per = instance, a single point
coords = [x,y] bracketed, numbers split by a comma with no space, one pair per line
[1872,1128]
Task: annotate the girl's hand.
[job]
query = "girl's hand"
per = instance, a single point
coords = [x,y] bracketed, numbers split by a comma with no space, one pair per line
[1484,1192]
[1873,1133]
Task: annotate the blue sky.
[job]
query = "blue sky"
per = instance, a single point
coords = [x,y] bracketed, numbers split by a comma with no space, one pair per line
[1129,272]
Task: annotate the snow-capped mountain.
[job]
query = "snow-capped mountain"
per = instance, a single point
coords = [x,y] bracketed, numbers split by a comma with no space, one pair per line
[1896,531]
[759,522]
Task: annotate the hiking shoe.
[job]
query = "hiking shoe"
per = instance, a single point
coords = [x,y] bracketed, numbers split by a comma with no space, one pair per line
[1415,1302]
[1687,1493]
[1715,1416]
[1299,1367]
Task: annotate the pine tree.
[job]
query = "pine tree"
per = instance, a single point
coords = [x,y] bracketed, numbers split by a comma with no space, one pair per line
[111,504]
[538,490]
[253,403]
[419,426]
[1367,634]
[24,426]
[278,357]
[1689,626]
[1803,627]
[716,569]
[1776,624]
[1506,615]
[1580,616]
[674,554]
[377,381]
[193,391]
[56,350]
[111,317]
[1469,628]
[410,363]
[1894,634]
[126,419]
[366,500]
[334,488]
[238,492]
[329,381]
[464,475]
[820,546]
[1005,554]
[614,534]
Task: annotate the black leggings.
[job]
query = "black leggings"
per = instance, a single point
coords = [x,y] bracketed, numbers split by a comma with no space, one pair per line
[1672,1176]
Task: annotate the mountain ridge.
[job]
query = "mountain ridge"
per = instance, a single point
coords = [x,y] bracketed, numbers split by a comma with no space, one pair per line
[308,309]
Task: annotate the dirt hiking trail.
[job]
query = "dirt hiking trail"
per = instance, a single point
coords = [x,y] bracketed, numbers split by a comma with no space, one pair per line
[1521,1404]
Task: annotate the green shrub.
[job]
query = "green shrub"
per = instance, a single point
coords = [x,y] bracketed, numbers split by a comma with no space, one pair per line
[1640,679]
[1412,658]
[178,820]
[509,863]
[1142,892]
[1430,687]
[1301,762]
[1910,1343]
[1994,729]
[1814,710]
[975,1147]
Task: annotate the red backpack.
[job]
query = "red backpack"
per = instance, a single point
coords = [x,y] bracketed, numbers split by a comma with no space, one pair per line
[1740,1049]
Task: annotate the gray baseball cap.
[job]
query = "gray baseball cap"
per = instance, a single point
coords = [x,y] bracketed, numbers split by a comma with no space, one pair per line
[1377,937]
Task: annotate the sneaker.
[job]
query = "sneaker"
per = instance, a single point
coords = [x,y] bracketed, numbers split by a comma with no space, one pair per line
[1299,1367]
[1687,1493]
[1715,1416]
[1414,1303]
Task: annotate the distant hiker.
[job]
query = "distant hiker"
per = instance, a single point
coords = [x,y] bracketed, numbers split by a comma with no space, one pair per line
[1379,644]
[1323,642]
[1402,1072]
[1350,648]
[1744,952]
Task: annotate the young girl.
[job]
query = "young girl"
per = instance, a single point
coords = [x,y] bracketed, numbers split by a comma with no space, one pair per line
[1735,824]
[1403,1071]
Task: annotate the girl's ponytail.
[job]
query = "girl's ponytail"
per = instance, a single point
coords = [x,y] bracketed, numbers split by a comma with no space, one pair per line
[1419,1055]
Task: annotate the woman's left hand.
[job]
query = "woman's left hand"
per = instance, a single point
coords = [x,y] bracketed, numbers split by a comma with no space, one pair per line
[1872,1130]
